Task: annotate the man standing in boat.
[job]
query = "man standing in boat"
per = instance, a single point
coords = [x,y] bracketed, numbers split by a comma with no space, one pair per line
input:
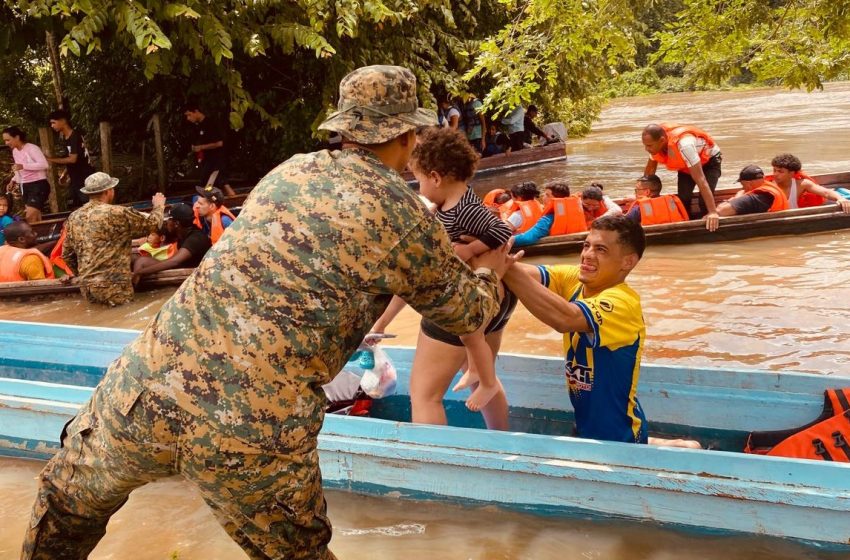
[224,386]
[98,241]
[694,155]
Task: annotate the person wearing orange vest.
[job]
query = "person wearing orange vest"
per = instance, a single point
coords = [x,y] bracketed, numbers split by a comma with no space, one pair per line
[652,207]
[524,209]
[19,259]
[594,205]
[211,216]
[694,156]
[802,191]
[562,214]
[757,196]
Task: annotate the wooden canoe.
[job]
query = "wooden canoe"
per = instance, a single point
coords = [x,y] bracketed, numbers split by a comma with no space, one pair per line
[11,290]
[536,468]
[788,222]
[500,163]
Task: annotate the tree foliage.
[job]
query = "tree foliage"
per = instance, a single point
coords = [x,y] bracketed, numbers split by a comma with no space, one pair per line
[796,43]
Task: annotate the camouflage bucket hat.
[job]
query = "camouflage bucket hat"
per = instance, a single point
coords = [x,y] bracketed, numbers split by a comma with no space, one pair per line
[98,182]
[377,104]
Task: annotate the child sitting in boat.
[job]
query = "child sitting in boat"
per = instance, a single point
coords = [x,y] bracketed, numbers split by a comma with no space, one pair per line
[443,162]
[155,245]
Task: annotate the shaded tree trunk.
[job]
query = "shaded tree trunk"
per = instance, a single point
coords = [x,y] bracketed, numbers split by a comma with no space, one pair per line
[56,70]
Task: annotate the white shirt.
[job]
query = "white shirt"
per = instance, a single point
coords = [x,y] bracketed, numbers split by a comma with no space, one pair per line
[691,147]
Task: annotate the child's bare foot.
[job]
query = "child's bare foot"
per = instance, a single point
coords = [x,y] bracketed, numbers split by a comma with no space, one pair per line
[482,395]
[468,379]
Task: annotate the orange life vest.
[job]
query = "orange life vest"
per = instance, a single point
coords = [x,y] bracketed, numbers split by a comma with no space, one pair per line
[568,215]
[806,199]
[673,159]
[531,212]
[506,209]
[490,197]
[56,254]
[662,209]
[216,228]
[780,201]
[825,439]
[10,263]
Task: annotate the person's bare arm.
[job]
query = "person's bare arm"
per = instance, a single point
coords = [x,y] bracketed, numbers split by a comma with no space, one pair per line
[545,305]
[651,167]
[472,249]
[182,256]
[712,220]
[393,309]
[210,146]
[72,158]
[828,194]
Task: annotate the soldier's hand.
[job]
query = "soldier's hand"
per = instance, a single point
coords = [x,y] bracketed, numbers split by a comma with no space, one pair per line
[712,221]
[158,200]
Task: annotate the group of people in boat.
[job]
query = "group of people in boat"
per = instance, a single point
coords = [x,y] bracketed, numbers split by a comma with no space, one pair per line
[696,158]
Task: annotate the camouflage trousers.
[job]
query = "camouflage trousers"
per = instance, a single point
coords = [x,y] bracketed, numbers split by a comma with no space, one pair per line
[270,503]
[108,294]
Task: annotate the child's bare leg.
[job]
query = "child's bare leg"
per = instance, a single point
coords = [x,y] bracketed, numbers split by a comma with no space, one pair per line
[435,364]
[495,412]
[482,361]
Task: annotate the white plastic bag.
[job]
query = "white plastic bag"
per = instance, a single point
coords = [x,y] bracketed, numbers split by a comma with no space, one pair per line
[380,380]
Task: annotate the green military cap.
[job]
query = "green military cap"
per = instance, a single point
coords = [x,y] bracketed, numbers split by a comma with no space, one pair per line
[377,104]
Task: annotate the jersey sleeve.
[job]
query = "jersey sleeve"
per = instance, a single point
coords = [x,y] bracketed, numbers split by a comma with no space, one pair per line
[615,317]
[561,279]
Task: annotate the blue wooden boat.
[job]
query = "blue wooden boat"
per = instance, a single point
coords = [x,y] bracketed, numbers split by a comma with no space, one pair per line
[47,371]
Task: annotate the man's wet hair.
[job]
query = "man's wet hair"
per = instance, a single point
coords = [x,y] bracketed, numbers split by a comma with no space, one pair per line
[598,185]
[592,193]
[560,189]
[60,114]
[787,161]
[654,182]
[629,233]
[15,230]
[503,198]
[527,190]
[446,151]
[654,131]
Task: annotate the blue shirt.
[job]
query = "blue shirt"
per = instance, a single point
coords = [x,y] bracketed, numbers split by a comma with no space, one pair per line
[540,230]
[634,214]
[4,221]
[603,365]
[207,226]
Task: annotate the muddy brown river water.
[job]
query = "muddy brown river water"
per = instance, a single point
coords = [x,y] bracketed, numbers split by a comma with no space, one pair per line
[777,303]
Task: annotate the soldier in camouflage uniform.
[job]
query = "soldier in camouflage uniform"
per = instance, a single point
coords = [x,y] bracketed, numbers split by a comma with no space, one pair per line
[224,386]
[98,242]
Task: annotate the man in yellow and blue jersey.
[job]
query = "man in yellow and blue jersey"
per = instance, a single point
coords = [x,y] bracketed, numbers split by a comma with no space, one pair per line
[602,322]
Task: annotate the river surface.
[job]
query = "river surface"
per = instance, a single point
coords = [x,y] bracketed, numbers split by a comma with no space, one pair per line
[776,304]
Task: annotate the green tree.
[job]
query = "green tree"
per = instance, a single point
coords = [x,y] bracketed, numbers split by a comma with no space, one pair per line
[795,43]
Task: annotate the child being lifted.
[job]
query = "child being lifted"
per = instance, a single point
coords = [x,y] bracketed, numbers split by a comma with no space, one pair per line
[443,162]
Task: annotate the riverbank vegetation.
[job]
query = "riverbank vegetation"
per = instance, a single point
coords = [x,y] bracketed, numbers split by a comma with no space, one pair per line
[271,69]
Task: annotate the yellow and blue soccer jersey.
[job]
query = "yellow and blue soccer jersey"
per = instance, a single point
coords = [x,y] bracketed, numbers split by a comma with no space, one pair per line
[603,365]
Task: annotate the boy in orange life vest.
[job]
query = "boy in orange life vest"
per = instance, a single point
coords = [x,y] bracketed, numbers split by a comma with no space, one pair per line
[659,209]
[801,189]
[694,155]
[19,260]
[211,216]
[593,202]
[543,227]
[757,195]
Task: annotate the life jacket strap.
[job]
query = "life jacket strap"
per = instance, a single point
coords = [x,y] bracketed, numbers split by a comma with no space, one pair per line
[820,449]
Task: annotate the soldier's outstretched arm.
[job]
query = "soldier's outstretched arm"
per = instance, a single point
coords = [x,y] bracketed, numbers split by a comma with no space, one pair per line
[141,224]
[423,270]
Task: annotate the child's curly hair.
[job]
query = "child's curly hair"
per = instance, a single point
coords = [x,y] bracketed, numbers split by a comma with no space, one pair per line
[446,151]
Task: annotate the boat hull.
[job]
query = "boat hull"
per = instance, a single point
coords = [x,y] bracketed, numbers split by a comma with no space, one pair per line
[545,471]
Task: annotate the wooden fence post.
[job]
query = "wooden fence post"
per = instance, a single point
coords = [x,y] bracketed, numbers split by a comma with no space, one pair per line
[106,147]
[160,156]
[45,138]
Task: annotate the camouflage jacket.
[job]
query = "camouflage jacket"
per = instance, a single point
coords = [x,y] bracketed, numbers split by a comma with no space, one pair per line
[98,242]
[288,292]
